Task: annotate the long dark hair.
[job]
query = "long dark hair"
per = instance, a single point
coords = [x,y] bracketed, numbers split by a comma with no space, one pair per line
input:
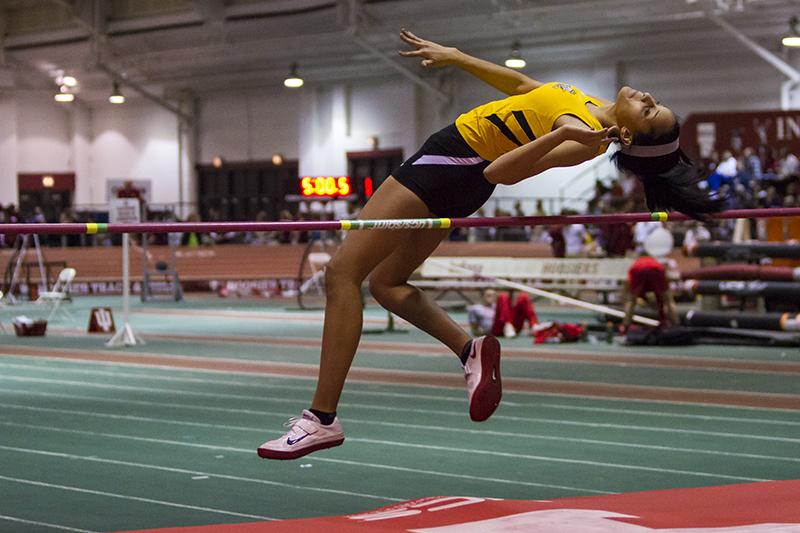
[672,181]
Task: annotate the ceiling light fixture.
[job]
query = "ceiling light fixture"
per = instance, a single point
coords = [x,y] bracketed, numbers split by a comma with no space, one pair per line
[514,59]
[793,39]
[293,81]
[64,95]
[116,95]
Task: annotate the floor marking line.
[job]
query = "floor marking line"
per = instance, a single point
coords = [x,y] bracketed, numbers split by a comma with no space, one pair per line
[198,473]
[427,350]
[44,524]
[322,459]
[667,414]
[560,460]
[540,458]
[414,426]
[704,364]
[351,390]
[402,410]
[440,380]
[134,498]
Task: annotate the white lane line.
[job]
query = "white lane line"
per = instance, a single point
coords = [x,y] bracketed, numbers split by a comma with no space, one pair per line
[526,394]
[280,485]
[315,458]
[617,410]
[252,384]
[132,498]
[401,425]
[559,460]
[381,394]
[372,407]
[474,451]
[44,524]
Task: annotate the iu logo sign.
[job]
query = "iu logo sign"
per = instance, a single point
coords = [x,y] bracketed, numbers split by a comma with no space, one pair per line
[101,320]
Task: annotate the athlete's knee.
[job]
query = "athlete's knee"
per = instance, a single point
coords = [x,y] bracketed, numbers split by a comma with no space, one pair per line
[387,293]
[338,276]
[379,289]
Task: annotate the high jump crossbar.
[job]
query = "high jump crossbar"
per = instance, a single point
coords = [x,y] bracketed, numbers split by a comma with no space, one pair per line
[404,223]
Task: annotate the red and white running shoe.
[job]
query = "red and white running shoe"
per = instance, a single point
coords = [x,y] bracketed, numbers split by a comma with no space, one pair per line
[482,372]
[306,434]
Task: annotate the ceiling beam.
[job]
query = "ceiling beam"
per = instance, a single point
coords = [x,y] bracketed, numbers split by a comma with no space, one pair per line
[356,18]
[782,66]
[100,43]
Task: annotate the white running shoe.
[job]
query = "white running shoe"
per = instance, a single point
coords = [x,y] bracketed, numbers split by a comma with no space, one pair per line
[306,434]
[482,372]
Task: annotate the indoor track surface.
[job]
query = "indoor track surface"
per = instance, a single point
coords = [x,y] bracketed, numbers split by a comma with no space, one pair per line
[164,434]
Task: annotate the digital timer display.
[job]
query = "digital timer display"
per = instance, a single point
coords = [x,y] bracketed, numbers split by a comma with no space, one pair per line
[325,186]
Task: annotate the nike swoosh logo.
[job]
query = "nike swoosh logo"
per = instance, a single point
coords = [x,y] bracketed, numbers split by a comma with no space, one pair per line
[291,442]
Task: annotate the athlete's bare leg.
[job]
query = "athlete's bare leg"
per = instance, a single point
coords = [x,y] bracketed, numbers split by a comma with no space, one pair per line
[359,254]
[388,283]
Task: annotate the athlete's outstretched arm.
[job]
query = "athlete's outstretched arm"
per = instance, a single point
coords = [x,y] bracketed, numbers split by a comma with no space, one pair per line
[433,54]
[563,147]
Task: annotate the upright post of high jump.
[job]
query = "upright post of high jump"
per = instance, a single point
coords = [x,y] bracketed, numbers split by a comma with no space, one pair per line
[125,211]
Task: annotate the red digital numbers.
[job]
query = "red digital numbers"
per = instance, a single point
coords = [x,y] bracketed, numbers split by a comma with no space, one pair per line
[325,186]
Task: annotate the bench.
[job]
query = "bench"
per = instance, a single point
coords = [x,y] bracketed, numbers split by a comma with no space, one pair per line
[571,276]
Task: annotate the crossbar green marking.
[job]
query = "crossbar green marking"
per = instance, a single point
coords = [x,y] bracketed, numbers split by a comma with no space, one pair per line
[417,223]
[659,216]
[93,227]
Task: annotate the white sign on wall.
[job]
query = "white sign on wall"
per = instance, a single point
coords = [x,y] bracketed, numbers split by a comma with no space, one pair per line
[124,211]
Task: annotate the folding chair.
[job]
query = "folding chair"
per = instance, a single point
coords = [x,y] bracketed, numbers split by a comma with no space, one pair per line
[58,293]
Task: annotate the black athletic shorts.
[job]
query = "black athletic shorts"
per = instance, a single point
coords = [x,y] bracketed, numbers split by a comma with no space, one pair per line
[447,175]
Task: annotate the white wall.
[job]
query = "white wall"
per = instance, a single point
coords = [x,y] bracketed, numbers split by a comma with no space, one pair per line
[250,125]
[43,134]
[8,150]
[137,140]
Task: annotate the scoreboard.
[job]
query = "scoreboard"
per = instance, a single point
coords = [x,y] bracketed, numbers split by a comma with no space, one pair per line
[330,188]
[325,186]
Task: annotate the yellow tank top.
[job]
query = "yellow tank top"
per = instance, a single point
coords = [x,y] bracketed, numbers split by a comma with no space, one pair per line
[498,127]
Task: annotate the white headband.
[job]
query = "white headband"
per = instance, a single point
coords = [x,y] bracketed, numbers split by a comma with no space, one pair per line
[650,151]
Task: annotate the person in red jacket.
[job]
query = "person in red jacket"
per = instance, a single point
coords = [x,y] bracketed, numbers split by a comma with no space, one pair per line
[647,277]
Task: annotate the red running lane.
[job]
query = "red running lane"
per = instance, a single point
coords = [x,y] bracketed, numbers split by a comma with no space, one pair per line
[429,379]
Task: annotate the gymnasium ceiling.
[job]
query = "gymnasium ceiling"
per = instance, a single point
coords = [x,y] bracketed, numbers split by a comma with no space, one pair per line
[169,46]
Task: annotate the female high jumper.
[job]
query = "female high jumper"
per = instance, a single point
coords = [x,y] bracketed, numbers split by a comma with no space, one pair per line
[537,127]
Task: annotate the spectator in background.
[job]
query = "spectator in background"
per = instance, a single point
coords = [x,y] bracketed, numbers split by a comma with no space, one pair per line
[789,164]
[540,212]
[728,167]
[642,230]
[751,167]
[479,234]
[538,232]
[496,316]
[617,238]
[555,237]
[696,233]
[647,279]
[575,237]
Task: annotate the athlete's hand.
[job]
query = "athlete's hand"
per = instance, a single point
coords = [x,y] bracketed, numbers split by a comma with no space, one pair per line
[432,54]
[589,137]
